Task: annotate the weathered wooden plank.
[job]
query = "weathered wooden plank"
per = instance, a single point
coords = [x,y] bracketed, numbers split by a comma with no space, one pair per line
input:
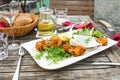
[36,68]
[116,52]
[75,2]
[96,74]
[97,59]
[113,55]
[87,19]
[81,7]
[116,48]
[31,62]
[25,62]
[76,8]
[80,12]
[6,76]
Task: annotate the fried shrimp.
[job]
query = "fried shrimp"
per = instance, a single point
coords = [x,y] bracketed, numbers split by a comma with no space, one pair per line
[66,47]
[71,51]
[103,41]
[55,41]
[76,51]
[79,50]
[40,45]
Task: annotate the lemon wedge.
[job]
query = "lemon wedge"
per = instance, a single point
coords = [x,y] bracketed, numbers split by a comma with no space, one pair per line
[65,36]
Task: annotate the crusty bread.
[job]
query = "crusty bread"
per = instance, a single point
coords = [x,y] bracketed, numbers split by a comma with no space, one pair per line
[3,20]
[22,19]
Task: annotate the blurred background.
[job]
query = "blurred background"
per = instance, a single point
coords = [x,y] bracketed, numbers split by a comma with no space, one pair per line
[108,10]
[4,1]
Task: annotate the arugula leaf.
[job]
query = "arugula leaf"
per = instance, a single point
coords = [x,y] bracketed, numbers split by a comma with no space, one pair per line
[97,34]
[54,54]
[39,54]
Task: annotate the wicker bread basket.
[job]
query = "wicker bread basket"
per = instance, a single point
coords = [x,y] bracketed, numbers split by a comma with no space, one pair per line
[21,30]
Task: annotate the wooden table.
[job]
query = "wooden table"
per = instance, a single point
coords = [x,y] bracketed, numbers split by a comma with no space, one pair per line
[77,71]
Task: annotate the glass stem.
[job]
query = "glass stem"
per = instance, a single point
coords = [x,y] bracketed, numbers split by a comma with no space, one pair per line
[12,31]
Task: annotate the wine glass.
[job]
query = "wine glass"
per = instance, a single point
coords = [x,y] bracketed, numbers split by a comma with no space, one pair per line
[9,11]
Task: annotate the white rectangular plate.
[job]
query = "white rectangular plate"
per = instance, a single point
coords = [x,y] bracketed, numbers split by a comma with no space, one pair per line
[30,47]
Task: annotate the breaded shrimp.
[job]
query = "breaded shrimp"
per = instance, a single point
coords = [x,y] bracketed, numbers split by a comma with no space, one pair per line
[66,47]
[103,41]
[55,41]
[79,50]
[40,45]
[71,51]
[59,43]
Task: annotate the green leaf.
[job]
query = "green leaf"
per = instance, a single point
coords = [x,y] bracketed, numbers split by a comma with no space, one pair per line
[97,34]
[56,54]
[88,40]
[85,31]
[39,54]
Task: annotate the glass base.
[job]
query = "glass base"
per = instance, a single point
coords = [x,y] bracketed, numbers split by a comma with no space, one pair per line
[3,55]
[13,46]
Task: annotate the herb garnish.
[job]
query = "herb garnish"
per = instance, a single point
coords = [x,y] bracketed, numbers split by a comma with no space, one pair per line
[85,31]
[39,54]
[97,34]
[88,40]
[54,54]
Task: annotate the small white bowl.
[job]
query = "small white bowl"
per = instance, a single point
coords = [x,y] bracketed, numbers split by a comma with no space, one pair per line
[86,41]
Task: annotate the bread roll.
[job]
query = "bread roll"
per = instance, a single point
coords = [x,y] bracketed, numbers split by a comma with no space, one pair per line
[22,19]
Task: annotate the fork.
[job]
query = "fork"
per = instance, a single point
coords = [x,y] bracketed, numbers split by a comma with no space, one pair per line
[21,54]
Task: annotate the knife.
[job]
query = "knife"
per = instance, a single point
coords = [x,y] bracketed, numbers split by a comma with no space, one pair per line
[109,27]
[101,64]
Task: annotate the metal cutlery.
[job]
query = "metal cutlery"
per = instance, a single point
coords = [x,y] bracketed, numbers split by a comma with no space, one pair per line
[109,27]
[61,27]
[22,52]
[102,64]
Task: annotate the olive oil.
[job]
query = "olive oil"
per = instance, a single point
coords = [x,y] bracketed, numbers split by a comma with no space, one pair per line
[46,27]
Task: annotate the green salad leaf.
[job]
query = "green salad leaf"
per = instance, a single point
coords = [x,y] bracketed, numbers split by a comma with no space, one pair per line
[39,54]
[85,31]
[97,34]
[54,54]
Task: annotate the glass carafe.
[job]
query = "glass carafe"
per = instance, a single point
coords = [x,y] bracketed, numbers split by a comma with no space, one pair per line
[46,23]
